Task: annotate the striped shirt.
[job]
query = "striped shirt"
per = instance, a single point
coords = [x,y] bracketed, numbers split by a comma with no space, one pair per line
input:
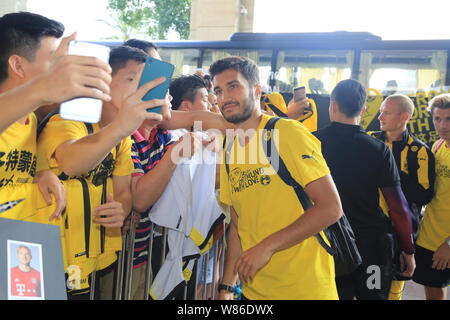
[146,154]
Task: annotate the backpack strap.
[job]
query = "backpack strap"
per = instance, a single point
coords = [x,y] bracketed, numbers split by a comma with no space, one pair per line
[102,228]
[227,150]
[437,145]
[40,128]
[44,121]
[89,128]
[272,153]
[275,110]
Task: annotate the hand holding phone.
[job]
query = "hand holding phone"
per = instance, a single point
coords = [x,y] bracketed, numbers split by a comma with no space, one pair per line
[154,69]
[84,109]
[133,110]
[303,109]
[299,93]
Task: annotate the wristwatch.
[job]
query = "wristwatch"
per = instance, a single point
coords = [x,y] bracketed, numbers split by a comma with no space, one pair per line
[225,287]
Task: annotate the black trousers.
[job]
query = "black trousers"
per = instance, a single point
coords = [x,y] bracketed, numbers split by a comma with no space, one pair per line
[372,279]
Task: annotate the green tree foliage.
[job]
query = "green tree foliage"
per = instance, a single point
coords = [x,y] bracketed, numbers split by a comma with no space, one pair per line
[173,14]
[154,18]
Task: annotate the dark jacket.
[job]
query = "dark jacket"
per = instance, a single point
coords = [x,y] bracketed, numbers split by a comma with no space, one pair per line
[416,165]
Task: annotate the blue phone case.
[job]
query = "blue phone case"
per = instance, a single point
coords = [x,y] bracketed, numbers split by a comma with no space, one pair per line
[154,69]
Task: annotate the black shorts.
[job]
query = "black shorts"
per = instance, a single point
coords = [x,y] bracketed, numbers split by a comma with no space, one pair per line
[425,274]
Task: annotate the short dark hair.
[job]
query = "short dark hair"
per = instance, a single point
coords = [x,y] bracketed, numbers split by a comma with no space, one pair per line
[185,88]
[441,101]
[350,95]
[243,65]
[140,44]
[208,83]
[21,33]
[119,56]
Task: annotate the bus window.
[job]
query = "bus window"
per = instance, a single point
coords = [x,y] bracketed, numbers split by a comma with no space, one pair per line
[262,59]
[185,60]
[318,71]
[404,72]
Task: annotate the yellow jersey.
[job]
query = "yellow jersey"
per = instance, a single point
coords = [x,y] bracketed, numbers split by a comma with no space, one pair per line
[265,204]
[435,226]
[18,153]
[88,246]
[18,161]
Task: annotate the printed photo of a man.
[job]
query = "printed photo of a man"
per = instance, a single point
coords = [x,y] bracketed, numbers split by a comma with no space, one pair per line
[25,278]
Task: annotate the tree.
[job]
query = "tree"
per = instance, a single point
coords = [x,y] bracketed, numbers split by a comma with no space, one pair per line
[173,15]
[153,18]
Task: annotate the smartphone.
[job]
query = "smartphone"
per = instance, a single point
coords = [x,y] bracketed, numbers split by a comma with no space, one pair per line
[81,108]
[154,69]
[299,93]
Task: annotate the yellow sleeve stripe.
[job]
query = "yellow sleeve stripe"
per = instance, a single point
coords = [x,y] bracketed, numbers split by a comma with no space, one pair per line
[422,172]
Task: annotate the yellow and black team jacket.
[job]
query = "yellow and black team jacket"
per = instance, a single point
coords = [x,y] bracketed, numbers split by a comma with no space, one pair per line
[416,165]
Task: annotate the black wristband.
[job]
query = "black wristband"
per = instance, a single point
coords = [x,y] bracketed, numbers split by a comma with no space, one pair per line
[225,287]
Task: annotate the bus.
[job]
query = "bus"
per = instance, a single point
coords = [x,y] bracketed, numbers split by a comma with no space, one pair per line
[318,61]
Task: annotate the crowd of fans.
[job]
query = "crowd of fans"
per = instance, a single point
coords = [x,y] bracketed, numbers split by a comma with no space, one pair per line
[155,173]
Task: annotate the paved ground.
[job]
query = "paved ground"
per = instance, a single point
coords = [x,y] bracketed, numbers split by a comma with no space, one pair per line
[414,291]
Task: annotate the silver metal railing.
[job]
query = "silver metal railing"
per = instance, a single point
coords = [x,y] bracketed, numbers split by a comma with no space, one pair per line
[124,269]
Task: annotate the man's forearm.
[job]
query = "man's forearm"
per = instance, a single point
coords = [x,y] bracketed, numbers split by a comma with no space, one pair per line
[85,154]
[125,199]
[232,255]
[122,192]
[326,210]
[150,186]
[208,120]
[311,222]
[400,215]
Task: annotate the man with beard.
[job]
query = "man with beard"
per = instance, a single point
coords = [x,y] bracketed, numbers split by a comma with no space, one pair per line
[271,244]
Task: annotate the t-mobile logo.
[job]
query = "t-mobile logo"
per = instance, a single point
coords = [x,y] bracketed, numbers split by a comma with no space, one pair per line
[20,287]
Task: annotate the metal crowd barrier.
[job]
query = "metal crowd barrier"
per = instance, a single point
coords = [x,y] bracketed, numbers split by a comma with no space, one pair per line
[124,268]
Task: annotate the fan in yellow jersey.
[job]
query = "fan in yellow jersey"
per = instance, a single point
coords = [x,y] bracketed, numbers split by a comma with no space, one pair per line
[85,193]
[433,244]
[271,245]
[274,104]
[27,45]
[95,163]
[18,171]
